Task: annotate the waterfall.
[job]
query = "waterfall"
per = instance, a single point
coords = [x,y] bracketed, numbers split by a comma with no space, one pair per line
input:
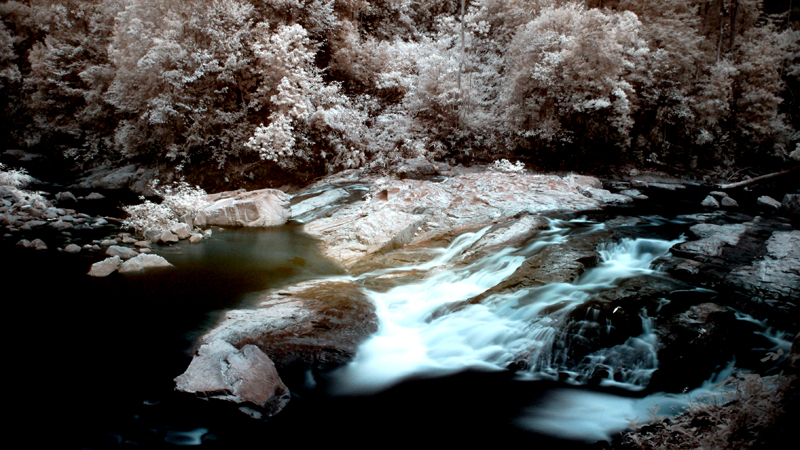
[420,335]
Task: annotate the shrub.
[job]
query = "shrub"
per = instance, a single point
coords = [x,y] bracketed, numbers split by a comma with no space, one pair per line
[178,200]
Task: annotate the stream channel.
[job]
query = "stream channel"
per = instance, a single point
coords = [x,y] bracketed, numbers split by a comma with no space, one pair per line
[93,360]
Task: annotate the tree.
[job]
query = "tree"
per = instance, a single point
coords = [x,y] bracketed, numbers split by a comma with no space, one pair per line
[568,78]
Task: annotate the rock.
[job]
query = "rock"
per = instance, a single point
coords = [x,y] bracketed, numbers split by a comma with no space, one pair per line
[363,229]
[182,230]
[262,208]
[777,274]
[104,178]
[72,248]
[142,262]
[24,243]
[200,220]
[66,197]
[105,267]
[62,225]
[94,196]
[416,169]
[108,242]
[195,238]
[21,155]
[719,195]
[168,237]
[712,239]
[142,244]
[729,203]
[791,205]
[767,201]
[605,196]
[318,202]
[705,338]
[710,202]
[246,377]
[310,324]
[99,222]
[123,252]
[152,235]
[634,194]
[38,244]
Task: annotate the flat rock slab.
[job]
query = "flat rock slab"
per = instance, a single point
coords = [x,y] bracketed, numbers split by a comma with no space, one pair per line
[402,212]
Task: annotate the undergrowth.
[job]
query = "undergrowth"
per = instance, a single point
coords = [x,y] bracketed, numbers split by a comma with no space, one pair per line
[738,418]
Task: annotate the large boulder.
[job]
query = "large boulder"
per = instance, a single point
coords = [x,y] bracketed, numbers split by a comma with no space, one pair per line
[243,376]
[308,325]
[261,208]
[699,341]
[777,274]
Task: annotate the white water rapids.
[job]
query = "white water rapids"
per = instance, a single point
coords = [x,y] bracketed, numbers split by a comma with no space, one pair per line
[419,335]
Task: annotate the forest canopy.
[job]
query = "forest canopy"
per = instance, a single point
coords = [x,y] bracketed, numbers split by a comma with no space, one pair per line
[313,86]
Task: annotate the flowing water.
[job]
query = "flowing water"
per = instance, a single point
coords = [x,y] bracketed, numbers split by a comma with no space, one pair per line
[95,358]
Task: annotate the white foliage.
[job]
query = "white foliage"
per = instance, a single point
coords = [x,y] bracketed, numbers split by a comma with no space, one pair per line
[178,200]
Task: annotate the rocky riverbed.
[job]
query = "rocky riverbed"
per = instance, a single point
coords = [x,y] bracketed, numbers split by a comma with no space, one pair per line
[560,278]
[727,267]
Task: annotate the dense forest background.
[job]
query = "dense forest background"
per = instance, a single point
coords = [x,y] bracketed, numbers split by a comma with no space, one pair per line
[279,89]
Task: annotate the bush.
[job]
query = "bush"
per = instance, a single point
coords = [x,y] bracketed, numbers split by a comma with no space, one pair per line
[178,200]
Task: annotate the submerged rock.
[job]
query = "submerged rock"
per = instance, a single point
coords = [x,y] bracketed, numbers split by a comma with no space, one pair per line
[261,208]
[243,376]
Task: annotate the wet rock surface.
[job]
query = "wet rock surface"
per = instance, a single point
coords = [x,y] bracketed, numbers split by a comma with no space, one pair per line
[398,213]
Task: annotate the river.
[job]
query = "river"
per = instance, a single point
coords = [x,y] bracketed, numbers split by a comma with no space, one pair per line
[92,361]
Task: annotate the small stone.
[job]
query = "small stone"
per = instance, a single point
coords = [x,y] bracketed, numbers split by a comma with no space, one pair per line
[25,243]
[39,244]
[768,201]
[123,252]
[729,203]
[60,225]
[168,237]
[152,235]
[95,196]
[719,195]
[182,230]
[710,202]
[66,196]
[108,242]
[72,248]
[100,222]
[195,238]
[142,244]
